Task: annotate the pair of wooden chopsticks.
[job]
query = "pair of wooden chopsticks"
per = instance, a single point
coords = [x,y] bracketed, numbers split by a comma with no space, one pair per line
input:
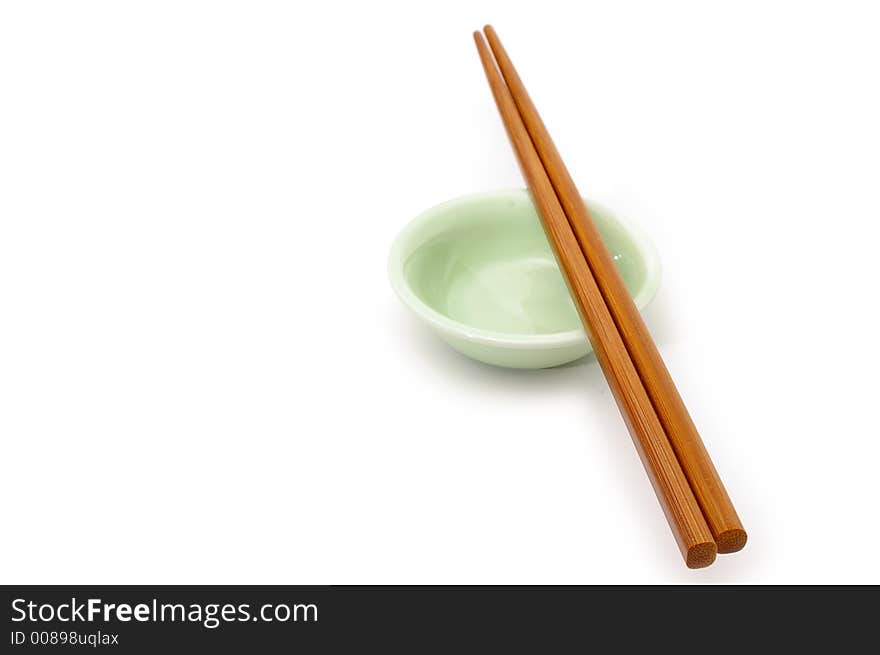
[696,504]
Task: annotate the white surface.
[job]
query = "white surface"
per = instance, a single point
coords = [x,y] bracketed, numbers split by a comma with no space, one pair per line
[205,376]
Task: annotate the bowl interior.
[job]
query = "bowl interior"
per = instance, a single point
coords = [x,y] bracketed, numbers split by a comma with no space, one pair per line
[484,262]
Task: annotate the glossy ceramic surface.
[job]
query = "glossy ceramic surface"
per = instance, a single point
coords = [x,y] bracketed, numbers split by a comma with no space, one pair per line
[481,273]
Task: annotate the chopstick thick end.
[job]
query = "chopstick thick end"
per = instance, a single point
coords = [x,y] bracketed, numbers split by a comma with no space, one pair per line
[701,555]
[730,541]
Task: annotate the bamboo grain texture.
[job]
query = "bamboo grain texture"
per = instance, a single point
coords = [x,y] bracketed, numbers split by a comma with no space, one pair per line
[715,503]
[682,510]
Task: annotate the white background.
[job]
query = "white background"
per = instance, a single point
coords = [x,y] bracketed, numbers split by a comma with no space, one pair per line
[206,378]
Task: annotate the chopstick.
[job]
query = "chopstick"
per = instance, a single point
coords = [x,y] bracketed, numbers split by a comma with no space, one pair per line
[670,484]
[717,508]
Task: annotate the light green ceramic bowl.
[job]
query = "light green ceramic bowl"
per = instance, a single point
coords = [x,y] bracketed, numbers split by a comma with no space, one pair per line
[480,272]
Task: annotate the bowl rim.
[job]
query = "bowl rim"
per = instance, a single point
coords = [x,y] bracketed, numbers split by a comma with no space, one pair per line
[401,250]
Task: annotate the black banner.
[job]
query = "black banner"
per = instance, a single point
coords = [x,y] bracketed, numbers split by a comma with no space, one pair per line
[148,619]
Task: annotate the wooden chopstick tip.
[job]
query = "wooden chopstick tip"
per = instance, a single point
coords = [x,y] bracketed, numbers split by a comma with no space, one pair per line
[482,45]
[485,54]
